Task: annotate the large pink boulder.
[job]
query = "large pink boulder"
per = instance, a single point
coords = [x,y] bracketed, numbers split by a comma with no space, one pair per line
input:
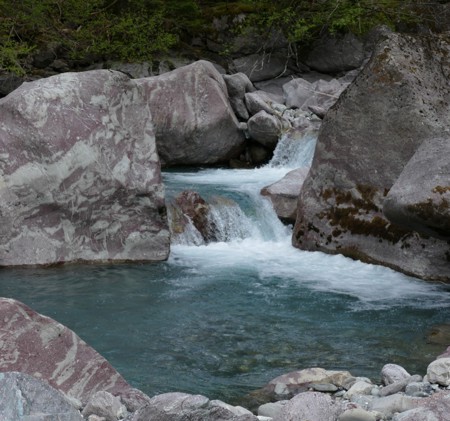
[194,121]
[39,346]
[80,176]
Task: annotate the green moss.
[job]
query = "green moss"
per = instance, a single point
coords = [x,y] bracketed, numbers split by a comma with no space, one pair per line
[441,189]
[350,214]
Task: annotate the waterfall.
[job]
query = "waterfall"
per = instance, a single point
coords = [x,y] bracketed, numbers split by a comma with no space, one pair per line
[241,213]
[294,151]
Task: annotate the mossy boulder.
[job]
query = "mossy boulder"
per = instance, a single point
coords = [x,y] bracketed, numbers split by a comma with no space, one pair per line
[399,100]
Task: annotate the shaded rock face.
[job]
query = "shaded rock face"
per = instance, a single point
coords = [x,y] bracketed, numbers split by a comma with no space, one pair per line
[25,397]
[336,54]
[420,198]
[41,347]
[399,100]
[80,176]
[193,119]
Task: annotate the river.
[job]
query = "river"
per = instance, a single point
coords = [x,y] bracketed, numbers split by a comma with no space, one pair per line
[224,318]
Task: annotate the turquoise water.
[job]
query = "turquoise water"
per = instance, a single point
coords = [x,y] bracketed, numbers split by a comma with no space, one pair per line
[225,318]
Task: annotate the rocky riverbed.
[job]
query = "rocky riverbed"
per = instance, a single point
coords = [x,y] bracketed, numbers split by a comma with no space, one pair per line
[49,373]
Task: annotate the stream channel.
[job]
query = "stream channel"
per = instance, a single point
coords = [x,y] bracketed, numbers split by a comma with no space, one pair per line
[225,318]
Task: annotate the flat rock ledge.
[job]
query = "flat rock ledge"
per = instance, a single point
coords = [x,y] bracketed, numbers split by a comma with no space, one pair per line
[74,383]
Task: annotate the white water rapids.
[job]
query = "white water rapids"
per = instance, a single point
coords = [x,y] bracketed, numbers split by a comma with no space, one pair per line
[255,238]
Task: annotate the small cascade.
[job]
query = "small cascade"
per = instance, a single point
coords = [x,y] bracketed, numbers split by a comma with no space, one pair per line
[228,221]
[241,213]
[294,150]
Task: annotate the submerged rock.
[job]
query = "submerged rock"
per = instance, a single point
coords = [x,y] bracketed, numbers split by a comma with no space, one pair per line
[80,176]
[41,347]
[399,100]
[193,118]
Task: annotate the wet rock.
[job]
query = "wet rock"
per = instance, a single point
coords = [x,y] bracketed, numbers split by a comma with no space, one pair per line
[265,129]
[284,194]
[439,372]
[80,175]
[106,406]
[72,367]
[310,406]
[193,119]
[24,397]
[290,384]
[362,149]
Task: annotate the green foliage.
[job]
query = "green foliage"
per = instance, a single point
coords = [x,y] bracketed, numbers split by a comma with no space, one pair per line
[137,30]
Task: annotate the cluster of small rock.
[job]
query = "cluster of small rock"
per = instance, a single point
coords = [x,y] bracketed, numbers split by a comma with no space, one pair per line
[328,396]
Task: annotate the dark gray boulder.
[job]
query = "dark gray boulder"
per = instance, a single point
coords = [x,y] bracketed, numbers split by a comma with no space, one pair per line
[400,99]
[80,175]
[265,128]
[335,54]
[193,118]
[72,366]
[238,85]
[420,198]
[263,66]
[24,397]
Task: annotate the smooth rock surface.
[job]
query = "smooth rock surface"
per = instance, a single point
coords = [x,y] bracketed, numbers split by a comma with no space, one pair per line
[357,414]
[391,373]
[105,405]
[265,128]
[72,367]
[80,176]
[289,384]
[24,397]
[263,66]
[238,85]
[312,406]
[363,147]
[182,407]
[193,118]
[284,194]
[438,371]
[420,198]
[336,54]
